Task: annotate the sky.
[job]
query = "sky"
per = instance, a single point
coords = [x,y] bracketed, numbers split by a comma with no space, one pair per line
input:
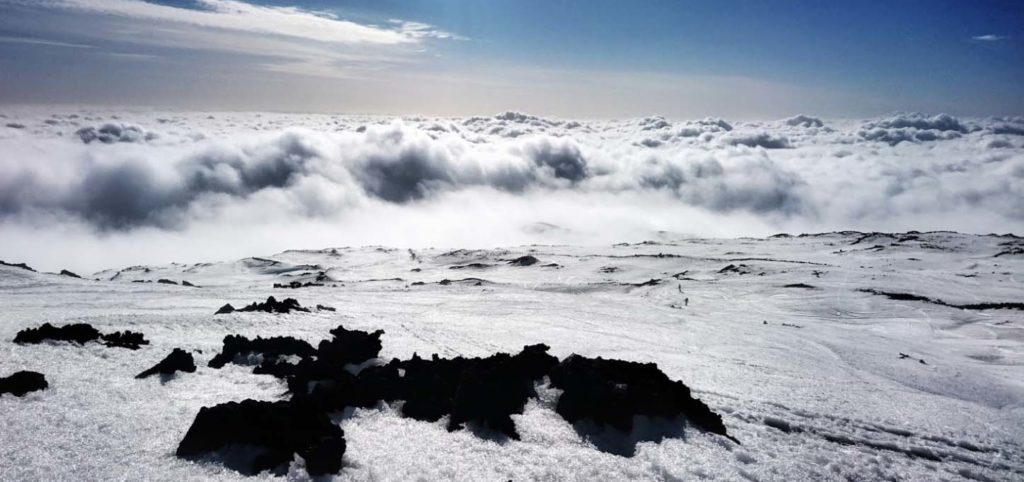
[595,58]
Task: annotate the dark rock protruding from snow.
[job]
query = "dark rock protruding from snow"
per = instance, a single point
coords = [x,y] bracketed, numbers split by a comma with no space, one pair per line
[273,433]
[274,306]
[268,348]
[491,389]
[17,265]
[296,285]
[80,333]
[126,339]
[611,393]
[23,382]
[524,261]
[738,269]
[69,274]
[178,361]
[270,306]
[166,281]
[347,347]
[227,308]
[476,393]
[996,305]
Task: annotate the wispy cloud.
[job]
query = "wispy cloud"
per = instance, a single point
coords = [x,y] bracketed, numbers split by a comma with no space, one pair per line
[39,41]
[281,39]
[990,38]
[245,17]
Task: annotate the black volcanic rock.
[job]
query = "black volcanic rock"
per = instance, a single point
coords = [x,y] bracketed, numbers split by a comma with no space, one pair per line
[611,392]
[274,306]
[126,339]
[20,383]
[491,389]
[799,285]
[273,431]
[18,265]
[227,308]
[471,266]
[296,285]
[269,306]
[269,348]
[524,261]
[78,333]
[474,393]
[738,269]
[347,347]
[178,361]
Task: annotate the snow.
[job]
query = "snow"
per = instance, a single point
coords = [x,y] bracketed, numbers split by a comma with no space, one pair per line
[819,392]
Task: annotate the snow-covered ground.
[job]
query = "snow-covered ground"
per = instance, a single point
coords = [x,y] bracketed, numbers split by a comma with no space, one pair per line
[808,378]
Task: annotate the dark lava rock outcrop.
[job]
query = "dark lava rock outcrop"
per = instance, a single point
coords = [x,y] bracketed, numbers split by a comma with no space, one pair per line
[481,394]
[80,333]
[23,382]
[524,261]
[17,265]
[236,346]
[270,306]
[252,437]
[125,339]
[178,361]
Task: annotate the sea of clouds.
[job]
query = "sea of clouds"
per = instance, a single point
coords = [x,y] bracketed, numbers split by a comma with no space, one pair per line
[95,188]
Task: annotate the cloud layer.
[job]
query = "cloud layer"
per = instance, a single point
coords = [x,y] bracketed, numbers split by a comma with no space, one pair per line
[108,175]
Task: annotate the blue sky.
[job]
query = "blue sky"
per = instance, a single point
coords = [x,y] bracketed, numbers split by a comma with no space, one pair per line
[555,57]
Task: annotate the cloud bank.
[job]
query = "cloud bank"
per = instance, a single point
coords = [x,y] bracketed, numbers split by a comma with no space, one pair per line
[212,183]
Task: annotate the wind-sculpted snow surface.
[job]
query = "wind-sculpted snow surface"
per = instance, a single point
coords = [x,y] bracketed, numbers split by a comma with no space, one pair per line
[204,183]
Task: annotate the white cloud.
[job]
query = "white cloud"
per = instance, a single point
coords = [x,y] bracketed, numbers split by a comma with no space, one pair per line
[224,185]
[288,40]
[245,17]
[39,41]
[990,38]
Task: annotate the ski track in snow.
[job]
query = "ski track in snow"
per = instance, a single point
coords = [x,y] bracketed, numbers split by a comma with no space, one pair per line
[817,393]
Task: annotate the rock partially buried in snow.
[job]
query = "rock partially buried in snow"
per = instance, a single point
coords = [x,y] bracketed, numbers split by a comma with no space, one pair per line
[253,437]
[481,393]
[227,308]
[270,306]
[23,382]
[17,265]
[236,346]
[613,393]
[524,261]
[80,333]
[127,339]
[178,361]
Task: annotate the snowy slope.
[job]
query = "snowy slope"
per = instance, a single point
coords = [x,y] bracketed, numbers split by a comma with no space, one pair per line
[808,378]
